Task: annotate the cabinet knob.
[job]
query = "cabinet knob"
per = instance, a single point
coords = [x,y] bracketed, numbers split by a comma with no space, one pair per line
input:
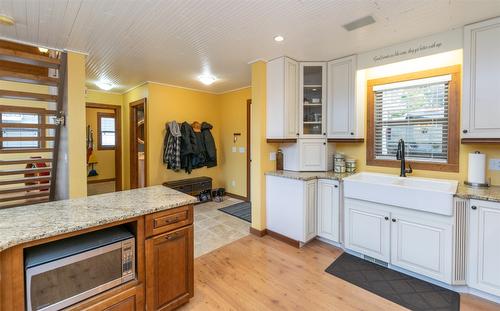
[324,143]
[473,207]
[386,218]
[465,131]
[324,134]
[394,220]
[336,186]
[297,134]
[352,133]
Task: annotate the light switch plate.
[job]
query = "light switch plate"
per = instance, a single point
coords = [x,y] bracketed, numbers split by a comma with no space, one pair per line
[494,164]
[233,149]
[242,149]
[272,156]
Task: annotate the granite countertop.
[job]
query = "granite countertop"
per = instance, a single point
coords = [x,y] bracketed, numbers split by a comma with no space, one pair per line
[491,193]
[305,176]
[33,222]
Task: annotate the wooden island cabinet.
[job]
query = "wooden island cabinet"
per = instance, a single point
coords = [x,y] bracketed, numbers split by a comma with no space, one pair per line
[164,266]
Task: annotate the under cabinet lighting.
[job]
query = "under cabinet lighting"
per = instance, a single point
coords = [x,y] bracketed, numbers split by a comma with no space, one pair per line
[279,38]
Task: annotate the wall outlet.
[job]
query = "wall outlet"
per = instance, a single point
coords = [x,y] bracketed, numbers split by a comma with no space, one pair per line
[242,149]
[233,149]
[494,164]
[272,156]
[233,183]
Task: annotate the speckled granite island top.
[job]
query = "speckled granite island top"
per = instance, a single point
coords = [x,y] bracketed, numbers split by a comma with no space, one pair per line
[33,222]
[305,176]
[488,194]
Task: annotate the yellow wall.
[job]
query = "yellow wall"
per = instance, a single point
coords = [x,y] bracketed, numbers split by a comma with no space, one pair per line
[233,110]
[105,165]
[77,160]
[167,103]
[260,149]
[358,151]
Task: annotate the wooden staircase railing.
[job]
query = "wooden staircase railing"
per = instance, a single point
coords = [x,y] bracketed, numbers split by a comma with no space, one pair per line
[28,163]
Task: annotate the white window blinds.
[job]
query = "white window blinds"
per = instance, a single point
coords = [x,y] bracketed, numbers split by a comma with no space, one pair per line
[417,112]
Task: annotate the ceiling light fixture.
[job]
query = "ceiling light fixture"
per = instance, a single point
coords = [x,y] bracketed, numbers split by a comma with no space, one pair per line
[43,50]
[207,79]
[104,85]
[361,22]
[7,20]
[279,38]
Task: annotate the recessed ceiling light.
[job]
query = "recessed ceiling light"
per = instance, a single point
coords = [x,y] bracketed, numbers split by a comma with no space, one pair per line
[43,50]
[7,20]
[207,79]
[104,85]
[279,38]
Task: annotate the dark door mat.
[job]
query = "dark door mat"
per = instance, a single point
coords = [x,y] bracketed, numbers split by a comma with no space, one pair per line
[397,287]
[241,210]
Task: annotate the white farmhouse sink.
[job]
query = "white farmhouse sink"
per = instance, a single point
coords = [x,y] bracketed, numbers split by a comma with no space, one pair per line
[423,194]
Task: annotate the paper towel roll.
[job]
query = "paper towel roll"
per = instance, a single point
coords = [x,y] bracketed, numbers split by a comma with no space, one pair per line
[477,168]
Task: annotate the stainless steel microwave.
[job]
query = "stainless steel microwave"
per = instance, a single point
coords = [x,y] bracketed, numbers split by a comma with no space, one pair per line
[64,272]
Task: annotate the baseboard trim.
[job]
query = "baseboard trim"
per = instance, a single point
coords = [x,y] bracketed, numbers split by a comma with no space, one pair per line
[283,239]
[96,181]
[259,233]
[239,197]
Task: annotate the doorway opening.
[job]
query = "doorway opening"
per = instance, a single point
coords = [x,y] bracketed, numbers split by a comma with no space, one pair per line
[138,144]
[249,159]
[104,148]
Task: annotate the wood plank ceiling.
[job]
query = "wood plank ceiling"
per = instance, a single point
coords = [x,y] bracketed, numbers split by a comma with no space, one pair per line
[173,42]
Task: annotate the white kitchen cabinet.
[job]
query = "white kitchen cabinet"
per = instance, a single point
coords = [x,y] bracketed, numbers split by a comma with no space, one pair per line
[341,99]
[312,99]
[421,244]
[291,207]
[308,155]
[282,98]
[367,229]
[481,80]
[329,209]
[484,246]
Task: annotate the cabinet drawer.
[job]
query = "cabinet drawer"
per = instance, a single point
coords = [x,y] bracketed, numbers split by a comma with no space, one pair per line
[169,220]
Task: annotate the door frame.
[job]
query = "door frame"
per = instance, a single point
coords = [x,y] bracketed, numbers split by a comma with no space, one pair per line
[134,161]
[249,160]
[118,142]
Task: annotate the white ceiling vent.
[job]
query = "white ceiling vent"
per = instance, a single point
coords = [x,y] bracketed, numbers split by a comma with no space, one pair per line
[361,22]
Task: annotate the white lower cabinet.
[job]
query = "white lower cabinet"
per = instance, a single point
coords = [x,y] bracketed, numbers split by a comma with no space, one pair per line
[291,207]
[367,229]
[329,210]
[484,246]
[416,241]
[422,245]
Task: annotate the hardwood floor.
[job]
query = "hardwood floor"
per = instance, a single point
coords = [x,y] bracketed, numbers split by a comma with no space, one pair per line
[265,274]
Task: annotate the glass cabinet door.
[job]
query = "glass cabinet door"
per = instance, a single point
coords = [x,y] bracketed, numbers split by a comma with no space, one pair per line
[313,99]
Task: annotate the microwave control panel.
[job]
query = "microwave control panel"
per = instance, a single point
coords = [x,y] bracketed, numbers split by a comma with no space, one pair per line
[128,260]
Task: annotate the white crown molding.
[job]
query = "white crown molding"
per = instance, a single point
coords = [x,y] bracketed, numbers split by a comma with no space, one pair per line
[234,90]
[257,60]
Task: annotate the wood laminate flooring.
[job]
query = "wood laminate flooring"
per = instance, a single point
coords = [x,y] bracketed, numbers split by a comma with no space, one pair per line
[255,273]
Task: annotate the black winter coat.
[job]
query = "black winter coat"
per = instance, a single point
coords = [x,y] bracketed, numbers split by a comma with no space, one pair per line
[208,145]
[188,147]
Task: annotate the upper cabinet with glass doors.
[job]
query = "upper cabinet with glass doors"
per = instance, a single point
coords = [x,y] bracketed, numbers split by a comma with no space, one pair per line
[312,99]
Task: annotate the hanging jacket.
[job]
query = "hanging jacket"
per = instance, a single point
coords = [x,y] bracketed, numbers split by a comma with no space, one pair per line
[188,147]
[208,143]
[172,146]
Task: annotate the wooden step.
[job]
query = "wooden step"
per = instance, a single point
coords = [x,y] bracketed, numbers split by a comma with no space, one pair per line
[13,76]
[28,58]
[26,196]
[25,188]
[27,126]
[20,109]
[33,201]
[25,180]
[24,161]
[25,150]
[25,171]
[37,138]
[27,96]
